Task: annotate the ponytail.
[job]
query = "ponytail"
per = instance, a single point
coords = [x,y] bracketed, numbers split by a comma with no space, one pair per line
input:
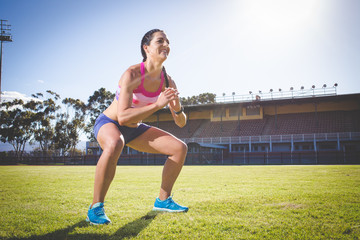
[166,78]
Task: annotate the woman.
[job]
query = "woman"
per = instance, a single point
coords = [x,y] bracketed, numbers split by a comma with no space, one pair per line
[142,90]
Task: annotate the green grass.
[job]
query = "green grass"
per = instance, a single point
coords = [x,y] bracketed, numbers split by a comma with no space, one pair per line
[226,202]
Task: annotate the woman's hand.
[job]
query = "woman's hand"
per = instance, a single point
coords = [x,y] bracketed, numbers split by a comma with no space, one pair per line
[169,95]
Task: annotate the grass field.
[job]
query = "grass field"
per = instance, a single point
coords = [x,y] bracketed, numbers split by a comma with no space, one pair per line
[226,202]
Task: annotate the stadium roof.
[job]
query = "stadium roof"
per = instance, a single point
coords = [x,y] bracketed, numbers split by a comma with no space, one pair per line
[279,101]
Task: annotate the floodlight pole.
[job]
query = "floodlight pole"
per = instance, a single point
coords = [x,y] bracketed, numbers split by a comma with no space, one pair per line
[5,36]
[0,68]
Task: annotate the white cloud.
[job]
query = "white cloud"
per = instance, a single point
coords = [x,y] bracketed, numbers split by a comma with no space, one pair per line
[8,96]
[40,81]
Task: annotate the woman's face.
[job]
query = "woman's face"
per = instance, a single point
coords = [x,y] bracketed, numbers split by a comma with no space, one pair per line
[159,47]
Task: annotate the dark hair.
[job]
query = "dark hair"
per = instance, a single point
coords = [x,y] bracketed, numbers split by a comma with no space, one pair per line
[146,41]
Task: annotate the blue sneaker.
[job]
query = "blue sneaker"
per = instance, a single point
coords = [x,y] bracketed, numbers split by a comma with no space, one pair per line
[96,214]
[168,205]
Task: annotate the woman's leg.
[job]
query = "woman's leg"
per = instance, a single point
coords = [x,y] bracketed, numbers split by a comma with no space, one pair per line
[156,140]
[112,143]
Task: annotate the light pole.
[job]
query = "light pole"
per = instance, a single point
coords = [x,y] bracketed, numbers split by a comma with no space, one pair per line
[5,36]
[324,87]
[250,92]
[313,88]
[335,86]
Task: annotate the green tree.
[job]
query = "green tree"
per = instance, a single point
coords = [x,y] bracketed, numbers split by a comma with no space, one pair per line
[204,98]
[69,124]
[61,132]
[44,124]
[16,125]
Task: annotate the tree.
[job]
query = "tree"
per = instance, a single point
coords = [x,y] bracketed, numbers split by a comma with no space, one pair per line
[204,98]
[40,120]
[16,125]
[97,103]
[69,125]
[61,133]
[44,128]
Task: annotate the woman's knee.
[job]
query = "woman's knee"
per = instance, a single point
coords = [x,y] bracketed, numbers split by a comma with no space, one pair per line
[180,148]
[184,148]
[114,146]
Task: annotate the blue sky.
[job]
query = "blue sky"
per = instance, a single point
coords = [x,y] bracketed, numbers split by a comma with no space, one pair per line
[75,47]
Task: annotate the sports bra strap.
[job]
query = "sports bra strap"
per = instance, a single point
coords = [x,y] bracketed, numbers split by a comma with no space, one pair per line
[141,86]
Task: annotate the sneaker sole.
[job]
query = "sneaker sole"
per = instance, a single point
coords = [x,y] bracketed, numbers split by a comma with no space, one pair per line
[92,223]
[167,210]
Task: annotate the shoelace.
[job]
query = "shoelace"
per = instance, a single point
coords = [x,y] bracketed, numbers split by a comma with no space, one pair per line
[99,211]
[170,198]
[172,202]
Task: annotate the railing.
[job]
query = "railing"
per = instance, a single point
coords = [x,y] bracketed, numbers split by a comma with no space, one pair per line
[274,95]
[308,137]
[279,138]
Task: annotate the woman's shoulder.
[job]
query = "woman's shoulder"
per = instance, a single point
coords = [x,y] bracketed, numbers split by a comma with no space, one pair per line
[131,75]
[134,70]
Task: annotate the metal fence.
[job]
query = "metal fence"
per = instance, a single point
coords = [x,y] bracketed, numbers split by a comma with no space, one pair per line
[205,158]
[308,137]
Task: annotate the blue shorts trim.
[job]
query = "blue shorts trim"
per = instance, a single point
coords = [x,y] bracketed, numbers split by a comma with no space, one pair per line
[128,132]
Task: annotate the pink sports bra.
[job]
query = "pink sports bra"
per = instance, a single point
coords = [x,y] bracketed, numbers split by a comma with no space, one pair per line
[141,97]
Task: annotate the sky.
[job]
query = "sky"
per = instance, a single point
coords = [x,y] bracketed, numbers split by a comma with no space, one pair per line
[75,47]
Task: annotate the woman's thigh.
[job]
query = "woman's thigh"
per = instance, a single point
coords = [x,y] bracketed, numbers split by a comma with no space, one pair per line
[155,140]
[109,136]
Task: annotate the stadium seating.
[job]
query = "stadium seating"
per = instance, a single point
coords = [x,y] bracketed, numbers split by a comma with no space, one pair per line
[282,124]
[321,122]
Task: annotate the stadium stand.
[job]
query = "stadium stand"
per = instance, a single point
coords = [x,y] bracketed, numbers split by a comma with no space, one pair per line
[310,130]
[322,122]
[296,123]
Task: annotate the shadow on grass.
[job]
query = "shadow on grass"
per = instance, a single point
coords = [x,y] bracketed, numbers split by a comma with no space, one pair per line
[131,229]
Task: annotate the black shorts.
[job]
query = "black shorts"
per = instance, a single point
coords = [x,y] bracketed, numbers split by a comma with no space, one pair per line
[128,132]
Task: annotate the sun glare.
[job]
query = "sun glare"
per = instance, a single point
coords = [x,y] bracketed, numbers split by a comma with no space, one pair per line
[275,18]
[282,15]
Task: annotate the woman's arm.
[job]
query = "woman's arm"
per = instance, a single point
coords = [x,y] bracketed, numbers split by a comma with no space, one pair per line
[125,113]
[176,108]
